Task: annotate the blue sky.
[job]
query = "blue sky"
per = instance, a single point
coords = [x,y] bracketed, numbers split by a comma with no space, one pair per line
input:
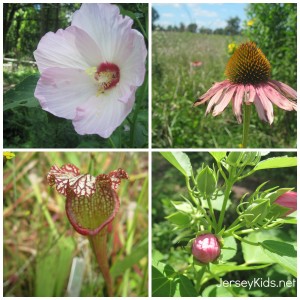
[203,14]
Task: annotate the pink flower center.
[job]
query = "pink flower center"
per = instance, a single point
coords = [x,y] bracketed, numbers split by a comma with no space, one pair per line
[107,76]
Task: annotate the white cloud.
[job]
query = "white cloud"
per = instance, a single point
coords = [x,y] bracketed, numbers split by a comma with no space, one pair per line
[167,15]
[204,13]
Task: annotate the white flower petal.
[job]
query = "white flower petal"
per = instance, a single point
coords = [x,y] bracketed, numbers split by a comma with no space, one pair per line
[61,90]
[132,64]
[69,48]
[102,115]
[106,26]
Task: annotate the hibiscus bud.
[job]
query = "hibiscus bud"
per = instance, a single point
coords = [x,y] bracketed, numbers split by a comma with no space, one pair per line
[206,181]
[256,212]
[233,158]
[206,248]
[288,200]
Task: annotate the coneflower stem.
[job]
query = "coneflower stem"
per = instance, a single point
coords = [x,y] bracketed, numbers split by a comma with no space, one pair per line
[246,125]
[98,243]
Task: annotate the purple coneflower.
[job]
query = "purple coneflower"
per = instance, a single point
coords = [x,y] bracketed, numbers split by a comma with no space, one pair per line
[248,81]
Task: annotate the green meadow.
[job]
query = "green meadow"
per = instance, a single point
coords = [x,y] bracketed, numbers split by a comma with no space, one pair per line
[176,84]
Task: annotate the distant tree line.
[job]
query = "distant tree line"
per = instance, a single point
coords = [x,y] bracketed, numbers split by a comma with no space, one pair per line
[25,24]
[232,27]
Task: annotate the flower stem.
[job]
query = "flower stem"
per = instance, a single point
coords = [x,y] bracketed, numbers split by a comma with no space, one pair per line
[98,243]
[245,241]
[226,198]
[199,276]
[246,124]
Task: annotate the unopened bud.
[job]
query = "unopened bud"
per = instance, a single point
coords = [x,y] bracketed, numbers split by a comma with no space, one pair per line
[206,248]
[256,212]
[287,200]
[206,182]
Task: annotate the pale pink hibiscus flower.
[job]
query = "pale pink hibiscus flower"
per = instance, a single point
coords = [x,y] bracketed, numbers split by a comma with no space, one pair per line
[248,82]
[91,70]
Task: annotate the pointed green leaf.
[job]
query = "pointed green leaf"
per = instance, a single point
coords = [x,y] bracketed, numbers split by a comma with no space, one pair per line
[282,253]
[186,288]
[180,161]
[218,155]
[276,162]
[22,95]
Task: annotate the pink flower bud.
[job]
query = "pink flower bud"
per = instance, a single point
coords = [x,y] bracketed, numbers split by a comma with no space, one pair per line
[206,248]
[288,200]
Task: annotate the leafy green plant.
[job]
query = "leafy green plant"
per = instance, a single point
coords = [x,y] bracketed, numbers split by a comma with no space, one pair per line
[232,235]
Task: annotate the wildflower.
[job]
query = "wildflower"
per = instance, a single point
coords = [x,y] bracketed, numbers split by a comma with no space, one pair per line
[196,64]
[250,22]
[206,248]
[287,200]
[91,205]
[90,71]
[8,155]
[232,47]
[91,202]
[248,81]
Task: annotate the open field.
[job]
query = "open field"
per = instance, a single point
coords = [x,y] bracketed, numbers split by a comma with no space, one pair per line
[176,85]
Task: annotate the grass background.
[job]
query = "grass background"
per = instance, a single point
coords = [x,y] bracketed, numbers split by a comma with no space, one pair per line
[40,244]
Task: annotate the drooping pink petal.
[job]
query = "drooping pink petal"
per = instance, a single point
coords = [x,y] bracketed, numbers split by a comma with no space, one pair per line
[216,97]
[221,105]
[285,89]
[238,101]
[277,98]
[260,109]
[102,115]
[61,90]
[69,48]
[266,103]
[89,215]
[251,94]
[212,91]
[68,176]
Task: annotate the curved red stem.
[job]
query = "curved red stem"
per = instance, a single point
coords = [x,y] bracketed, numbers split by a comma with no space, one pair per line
[98,243]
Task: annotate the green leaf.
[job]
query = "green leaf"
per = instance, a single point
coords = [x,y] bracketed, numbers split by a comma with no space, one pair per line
[276,162]
[186,288]
[218,155]
[222,269]
[179,218]
[162,286]
[184,207]
[53,268]
[282,253]
[216,291]
[166,282]
[230,248]
[120,266]
[255,254]
[22,95]
[180,161]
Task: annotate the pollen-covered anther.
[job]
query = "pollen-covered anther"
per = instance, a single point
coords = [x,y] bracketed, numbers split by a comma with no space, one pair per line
[107,76]
[248,65]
